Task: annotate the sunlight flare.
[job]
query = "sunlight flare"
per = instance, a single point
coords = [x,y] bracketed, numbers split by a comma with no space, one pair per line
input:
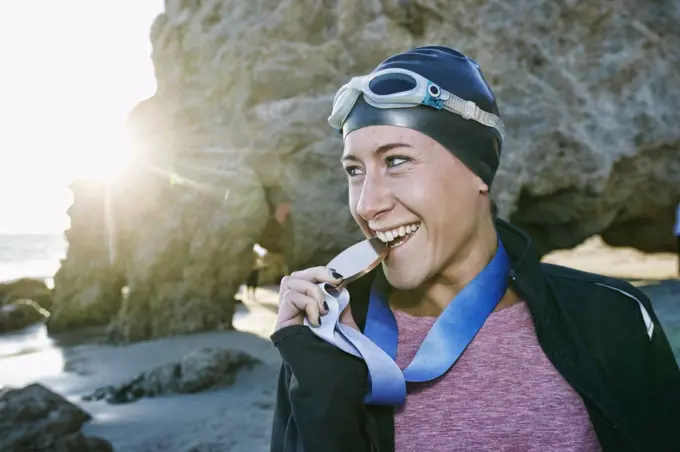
[106,160]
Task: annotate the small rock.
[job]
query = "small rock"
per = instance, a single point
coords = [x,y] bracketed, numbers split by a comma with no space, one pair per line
[199,370]
[20,314]
[162,379]
[26,289]
[99,394]
[205,368]
[35,418]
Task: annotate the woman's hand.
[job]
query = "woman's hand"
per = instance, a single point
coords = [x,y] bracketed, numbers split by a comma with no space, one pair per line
[299,296]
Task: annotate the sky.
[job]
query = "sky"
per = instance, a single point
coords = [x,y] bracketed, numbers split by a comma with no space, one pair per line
[71,70]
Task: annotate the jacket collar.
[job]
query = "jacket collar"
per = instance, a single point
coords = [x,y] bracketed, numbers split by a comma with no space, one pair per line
[526,275]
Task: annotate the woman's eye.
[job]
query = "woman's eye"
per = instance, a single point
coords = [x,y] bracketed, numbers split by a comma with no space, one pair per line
[395,161]
[353,170]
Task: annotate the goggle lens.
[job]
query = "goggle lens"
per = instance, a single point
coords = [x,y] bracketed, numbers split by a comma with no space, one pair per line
[388,84]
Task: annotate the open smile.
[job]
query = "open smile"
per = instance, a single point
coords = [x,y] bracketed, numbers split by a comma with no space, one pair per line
[397,236]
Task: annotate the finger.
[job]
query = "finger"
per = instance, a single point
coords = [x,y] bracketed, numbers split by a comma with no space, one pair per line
[288,312]
[309,289]
[305,305]
[293,306]
[318,275]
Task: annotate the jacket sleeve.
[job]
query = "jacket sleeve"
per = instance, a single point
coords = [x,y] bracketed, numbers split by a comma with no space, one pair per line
[661,363]
[663,376]
[319,400]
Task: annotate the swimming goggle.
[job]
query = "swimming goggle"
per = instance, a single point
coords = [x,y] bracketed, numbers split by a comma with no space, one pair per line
[405,89]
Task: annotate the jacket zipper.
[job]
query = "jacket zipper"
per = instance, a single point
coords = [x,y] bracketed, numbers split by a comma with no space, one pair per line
[578,387]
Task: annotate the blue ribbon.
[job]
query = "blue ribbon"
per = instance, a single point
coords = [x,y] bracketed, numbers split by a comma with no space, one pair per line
[450,335]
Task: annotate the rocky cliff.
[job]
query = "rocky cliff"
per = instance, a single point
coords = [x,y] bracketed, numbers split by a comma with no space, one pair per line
[237,128]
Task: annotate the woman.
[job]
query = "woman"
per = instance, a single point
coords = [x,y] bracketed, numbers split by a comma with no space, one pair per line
[566,361]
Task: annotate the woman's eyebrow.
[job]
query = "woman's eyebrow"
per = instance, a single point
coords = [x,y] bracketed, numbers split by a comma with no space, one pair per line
[378,151]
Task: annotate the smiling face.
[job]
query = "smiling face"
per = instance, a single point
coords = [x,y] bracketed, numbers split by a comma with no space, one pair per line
[409,190]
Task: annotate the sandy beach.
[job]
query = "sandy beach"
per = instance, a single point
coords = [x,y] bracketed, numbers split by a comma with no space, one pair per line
[238,418]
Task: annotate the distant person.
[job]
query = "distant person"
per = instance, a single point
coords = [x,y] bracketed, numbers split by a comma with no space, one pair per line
[470,342]
[252,283]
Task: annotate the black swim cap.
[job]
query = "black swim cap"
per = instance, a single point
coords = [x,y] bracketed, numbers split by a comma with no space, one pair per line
[474,144]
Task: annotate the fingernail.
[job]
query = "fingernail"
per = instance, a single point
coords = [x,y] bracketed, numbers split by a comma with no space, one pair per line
[325,306]
[337,275]
[319,320]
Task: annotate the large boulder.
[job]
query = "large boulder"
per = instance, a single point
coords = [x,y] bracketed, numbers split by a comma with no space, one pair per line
[36,419]
[587,91]
[593,142]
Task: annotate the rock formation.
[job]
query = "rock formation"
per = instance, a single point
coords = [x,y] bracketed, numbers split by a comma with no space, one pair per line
[199,370]
[87,286]
[273,268]
[34,418]
[238,128]
[26,289]
[20,314]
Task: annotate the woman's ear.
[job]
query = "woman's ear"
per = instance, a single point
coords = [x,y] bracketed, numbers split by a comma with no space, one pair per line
[484,188]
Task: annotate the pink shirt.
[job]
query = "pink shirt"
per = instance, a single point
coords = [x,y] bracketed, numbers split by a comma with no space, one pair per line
[502,395]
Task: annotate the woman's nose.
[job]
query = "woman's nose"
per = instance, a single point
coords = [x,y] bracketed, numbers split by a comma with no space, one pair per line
[374,198]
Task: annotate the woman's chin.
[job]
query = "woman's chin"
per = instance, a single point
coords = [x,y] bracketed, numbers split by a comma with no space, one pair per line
[402,279]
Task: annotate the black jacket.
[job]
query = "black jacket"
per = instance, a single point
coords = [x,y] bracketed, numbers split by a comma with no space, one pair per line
[595,330]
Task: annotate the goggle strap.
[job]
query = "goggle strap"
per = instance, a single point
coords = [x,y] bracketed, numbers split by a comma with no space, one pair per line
[469,110]
[452,103]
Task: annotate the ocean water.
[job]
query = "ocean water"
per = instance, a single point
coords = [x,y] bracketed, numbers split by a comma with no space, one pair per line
[29,354]
[30,255]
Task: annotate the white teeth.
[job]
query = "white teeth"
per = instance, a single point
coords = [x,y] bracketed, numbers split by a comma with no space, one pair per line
[388,236]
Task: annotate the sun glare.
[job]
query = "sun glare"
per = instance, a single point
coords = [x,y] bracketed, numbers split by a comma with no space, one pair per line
[66,92]
[104,161]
